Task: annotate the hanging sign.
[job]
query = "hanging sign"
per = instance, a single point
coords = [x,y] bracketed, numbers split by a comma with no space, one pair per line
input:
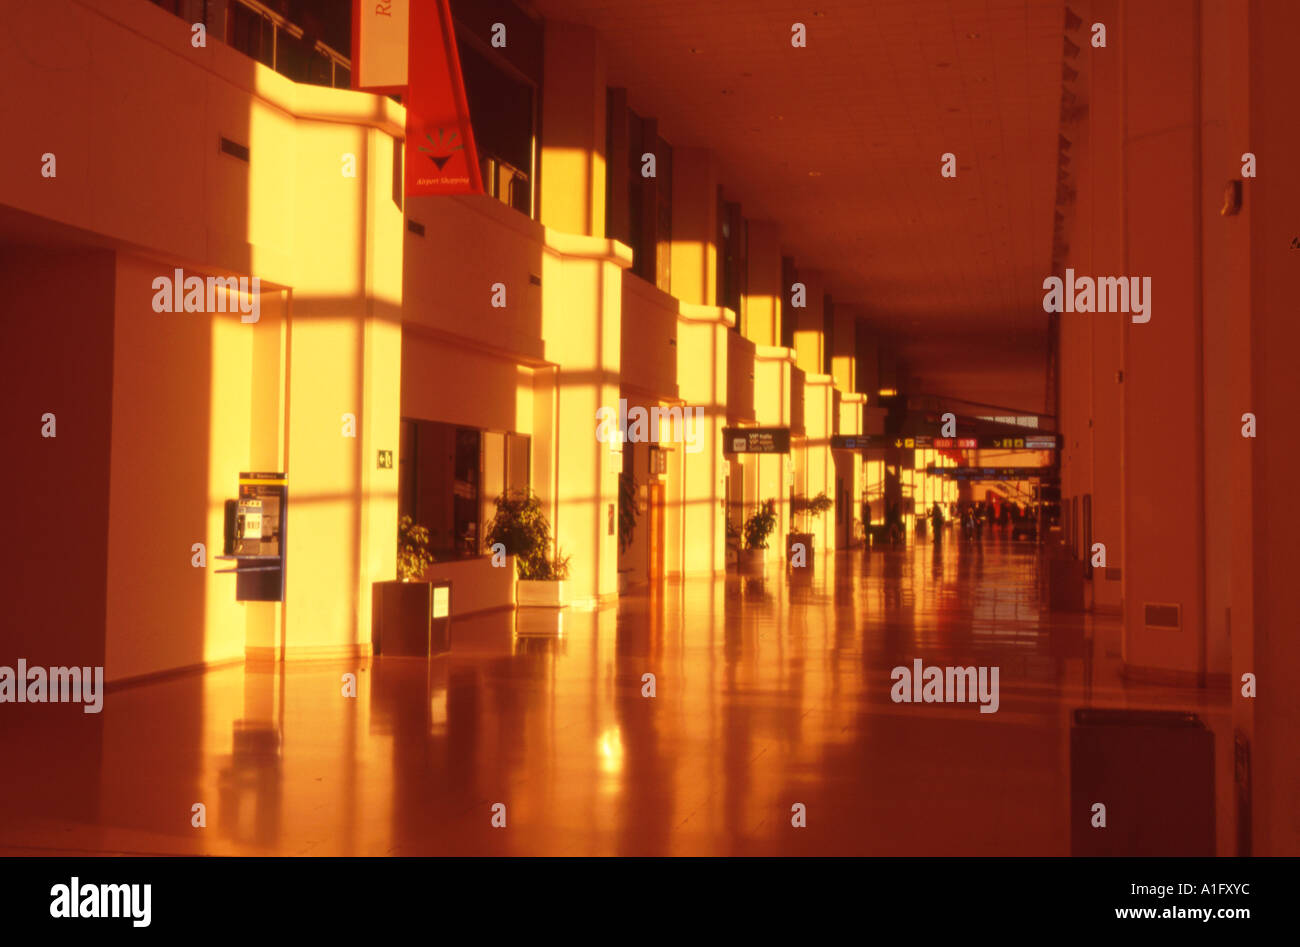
[380,38]
[440,154]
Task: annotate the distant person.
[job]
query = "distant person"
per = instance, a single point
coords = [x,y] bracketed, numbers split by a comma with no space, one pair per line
[895,524]
[936,522]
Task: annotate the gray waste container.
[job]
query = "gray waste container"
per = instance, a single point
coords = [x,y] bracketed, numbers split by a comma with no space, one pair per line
[1154,772]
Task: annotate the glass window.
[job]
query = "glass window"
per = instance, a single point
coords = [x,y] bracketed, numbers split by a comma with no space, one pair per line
[501,110]
[449,478]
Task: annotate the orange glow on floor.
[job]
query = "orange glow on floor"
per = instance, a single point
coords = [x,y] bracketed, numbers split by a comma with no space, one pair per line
[770,692]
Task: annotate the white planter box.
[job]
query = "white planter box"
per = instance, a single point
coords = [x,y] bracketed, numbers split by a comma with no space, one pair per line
[538,593]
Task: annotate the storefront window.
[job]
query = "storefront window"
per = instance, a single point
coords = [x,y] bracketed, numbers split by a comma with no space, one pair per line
[449,478]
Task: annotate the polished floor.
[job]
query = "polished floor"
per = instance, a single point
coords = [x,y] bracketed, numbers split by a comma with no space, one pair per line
[770,691]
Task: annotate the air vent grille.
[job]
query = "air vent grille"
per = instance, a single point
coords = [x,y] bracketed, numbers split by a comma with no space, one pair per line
[234,149]
[1162,616]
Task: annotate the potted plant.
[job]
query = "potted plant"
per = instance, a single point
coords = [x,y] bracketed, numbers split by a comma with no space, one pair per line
[757,529]
[413,556]
[402,611]
[802,509]
[521,526]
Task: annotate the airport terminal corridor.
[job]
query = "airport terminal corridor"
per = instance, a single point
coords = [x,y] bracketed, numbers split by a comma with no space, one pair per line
[645,429]
[770,690]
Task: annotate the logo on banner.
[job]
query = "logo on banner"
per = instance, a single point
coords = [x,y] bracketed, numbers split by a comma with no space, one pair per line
[442,144]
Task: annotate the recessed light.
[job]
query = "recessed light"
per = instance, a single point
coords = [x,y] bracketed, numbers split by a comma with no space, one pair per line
[695,50]
[814,174]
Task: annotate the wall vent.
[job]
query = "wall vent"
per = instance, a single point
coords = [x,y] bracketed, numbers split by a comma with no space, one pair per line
[234,149]
[1157,615]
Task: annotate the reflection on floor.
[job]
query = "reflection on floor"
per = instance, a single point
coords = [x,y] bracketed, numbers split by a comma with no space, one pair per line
[770,691]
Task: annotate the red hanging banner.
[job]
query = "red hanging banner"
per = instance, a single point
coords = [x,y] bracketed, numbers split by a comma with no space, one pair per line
[440,153]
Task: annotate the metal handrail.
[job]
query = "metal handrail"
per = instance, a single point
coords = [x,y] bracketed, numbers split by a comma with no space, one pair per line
[278,24]
[294,30]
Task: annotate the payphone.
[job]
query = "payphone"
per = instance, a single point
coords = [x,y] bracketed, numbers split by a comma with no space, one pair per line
[255,537]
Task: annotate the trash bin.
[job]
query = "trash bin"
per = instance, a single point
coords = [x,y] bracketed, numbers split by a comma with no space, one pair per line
[1153,770]
[411,619]
[1064,581]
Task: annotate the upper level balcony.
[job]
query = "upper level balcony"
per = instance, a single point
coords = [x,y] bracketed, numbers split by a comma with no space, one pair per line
[295,50]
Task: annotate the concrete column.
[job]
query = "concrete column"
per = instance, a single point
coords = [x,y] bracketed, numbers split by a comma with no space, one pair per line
[772,392]
[851,423]
[1104,155]
[702,382]
[868,365]
[844,359]
[701,356]
[695,226]
[819,421]
[1265,557]
[582,323]
[809,326]
[1164,467]
[618,211]
[763,300]
[573,130]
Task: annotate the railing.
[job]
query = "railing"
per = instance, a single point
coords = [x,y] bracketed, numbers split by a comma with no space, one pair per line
[260,33]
